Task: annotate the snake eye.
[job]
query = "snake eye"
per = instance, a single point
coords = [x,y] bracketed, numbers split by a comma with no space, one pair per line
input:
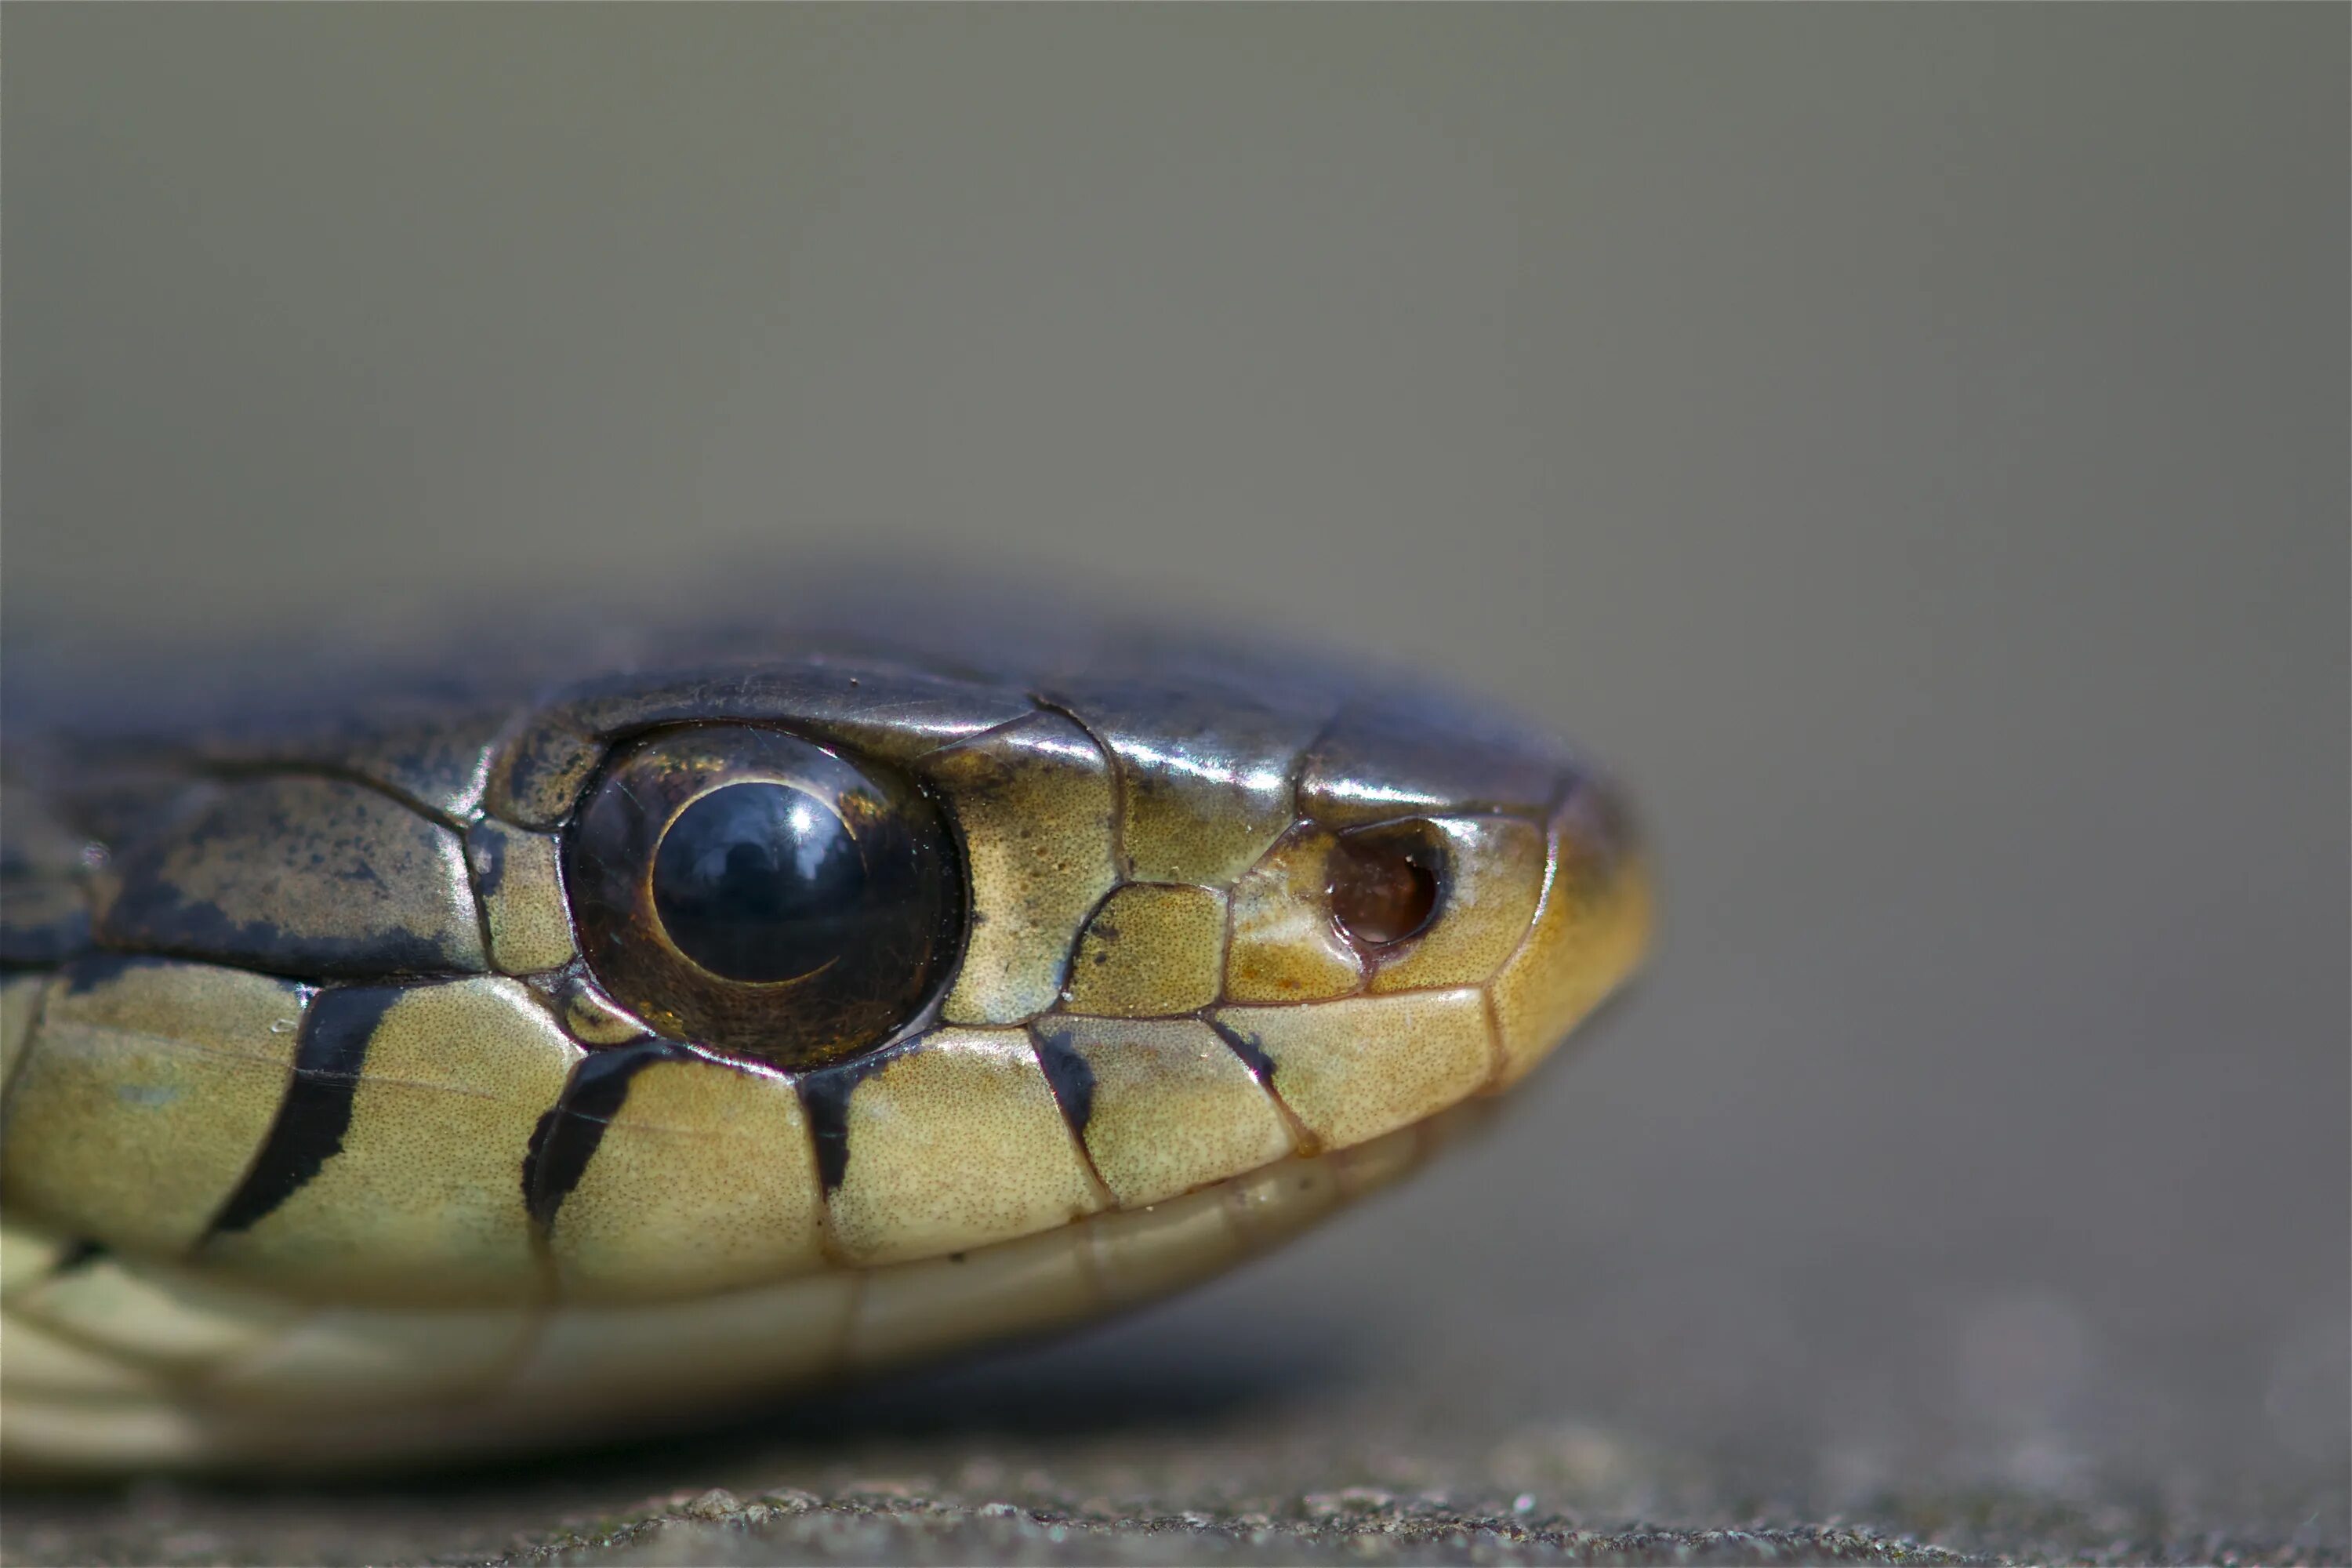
[1385,881]
[748,890]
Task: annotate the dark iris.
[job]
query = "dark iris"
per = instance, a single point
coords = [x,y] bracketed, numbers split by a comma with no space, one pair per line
[755,882]
[750,891]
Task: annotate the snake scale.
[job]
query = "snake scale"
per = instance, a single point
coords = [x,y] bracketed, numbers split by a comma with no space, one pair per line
[468,1073]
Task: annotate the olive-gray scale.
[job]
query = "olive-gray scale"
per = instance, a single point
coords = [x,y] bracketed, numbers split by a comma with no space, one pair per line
[512,1075]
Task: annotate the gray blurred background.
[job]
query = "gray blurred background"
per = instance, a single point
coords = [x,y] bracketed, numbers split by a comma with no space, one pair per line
[1909,445]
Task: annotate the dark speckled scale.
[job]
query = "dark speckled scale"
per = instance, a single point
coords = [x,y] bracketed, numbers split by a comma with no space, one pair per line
[45,899]
[301,875]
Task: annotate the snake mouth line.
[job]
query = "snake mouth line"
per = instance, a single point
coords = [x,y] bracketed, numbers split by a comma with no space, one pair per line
[450,1382]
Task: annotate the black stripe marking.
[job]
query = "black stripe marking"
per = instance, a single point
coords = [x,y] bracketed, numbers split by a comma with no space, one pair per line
[566,1138]
[825,1098]
[1070,1073]
[1247,1047]
[317,1110]
[80,1254]
[87,974]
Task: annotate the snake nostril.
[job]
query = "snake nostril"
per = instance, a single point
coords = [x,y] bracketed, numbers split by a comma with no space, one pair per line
[1385,882]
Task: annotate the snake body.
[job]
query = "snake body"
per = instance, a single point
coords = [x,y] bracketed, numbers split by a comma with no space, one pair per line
[327,1140]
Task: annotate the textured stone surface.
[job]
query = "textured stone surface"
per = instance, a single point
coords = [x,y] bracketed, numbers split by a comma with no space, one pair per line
[1092,1456]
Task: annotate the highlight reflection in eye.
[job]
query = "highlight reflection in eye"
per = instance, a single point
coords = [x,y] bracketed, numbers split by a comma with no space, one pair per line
[747,878]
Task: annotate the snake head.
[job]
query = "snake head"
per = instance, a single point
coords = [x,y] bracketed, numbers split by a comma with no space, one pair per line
[705,1028]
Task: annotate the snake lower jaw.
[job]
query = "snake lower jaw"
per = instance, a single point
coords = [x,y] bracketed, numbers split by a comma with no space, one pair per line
[114,1363]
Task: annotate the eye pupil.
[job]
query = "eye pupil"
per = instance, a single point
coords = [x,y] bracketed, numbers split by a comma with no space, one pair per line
[753,892]
[756,881]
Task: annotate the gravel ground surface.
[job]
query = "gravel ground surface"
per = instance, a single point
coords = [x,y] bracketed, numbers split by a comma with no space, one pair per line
[1177,1437]
[1151,1474]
